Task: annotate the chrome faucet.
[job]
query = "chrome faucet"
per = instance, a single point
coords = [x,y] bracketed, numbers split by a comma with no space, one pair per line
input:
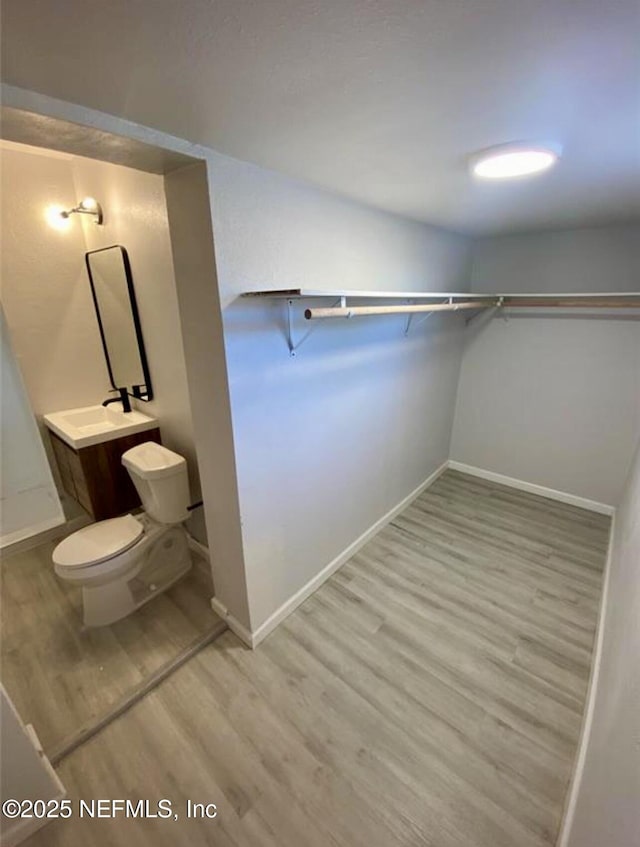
[123,398]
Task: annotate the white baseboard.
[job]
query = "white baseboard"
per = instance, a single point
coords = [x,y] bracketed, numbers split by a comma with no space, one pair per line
[315,582]
[532,488]
[245,635]
[219,608]
[11,540]
[45,533]
[587,719]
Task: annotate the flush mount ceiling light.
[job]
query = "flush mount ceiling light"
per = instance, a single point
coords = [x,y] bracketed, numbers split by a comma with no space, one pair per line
[88,206]
[508,161]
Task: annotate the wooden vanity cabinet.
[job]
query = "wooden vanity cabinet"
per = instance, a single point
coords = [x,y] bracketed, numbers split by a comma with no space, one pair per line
[95,475]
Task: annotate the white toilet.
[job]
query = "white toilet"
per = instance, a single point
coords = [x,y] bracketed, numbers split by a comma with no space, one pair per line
[124,562]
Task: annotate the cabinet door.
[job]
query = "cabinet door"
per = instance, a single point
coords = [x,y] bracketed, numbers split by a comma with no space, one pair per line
[61,452]
[83,495]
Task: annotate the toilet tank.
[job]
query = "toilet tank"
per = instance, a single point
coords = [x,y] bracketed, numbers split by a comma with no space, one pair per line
[160,478]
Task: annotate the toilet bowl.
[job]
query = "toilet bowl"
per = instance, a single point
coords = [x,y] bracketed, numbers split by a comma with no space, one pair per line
[122,563]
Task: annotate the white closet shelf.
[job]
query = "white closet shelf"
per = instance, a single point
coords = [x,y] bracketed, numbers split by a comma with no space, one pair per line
[428,302]
[622,298]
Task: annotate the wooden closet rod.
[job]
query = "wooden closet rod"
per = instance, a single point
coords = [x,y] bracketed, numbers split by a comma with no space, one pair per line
[409,308]
[511,302]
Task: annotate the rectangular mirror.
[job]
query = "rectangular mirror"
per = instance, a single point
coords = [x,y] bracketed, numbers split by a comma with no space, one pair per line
[118,320]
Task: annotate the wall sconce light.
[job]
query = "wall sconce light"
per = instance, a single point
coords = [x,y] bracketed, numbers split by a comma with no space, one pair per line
[88,206]
[53,216]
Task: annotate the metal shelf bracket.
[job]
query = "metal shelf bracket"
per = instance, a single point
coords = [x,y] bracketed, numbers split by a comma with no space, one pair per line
[488,313]
[413,321]
[294,345]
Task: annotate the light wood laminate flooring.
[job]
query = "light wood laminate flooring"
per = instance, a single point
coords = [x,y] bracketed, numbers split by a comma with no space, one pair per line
[430,693]
[62,676]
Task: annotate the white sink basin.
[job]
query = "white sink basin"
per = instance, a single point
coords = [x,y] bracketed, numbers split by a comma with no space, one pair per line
[95,424]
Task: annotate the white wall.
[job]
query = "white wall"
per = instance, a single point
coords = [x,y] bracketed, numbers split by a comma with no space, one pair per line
[29,500]
[606,810]
[553,400]
[605,258]
[189,208]
[330,441]
[45,292]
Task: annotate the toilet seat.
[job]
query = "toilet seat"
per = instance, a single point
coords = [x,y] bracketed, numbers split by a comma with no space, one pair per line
[98,542]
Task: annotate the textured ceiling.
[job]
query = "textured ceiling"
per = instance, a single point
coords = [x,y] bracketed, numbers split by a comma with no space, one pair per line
[381,100]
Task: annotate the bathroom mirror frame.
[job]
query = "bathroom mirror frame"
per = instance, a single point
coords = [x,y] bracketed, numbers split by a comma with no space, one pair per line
[144,390]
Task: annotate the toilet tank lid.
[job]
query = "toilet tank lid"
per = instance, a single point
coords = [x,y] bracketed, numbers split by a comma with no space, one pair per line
[152,460]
